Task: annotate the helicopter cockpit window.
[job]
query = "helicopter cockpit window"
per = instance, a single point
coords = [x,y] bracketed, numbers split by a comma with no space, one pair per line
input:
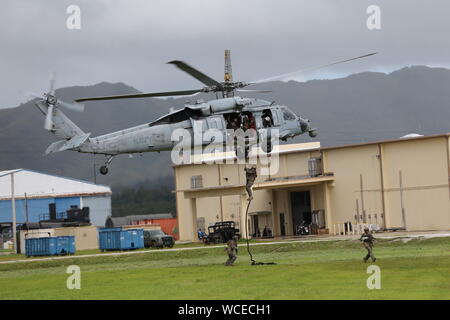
[180,115]
[288,114]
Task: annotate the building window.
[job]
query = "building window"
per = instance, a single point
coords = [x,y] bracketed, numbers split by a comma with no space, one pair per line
[288,114]
[196,182]
[315,167]
[201,224]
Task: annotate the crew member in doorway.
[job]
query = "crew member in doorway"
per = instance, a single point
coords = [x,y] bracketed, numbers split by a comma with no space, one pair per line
[267,120]
[245,123]
[234,124]
[367,239]
[252,122]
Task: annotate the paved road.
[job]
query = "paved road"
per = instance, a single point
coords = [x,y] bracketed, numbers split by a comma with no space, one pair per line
[391,235]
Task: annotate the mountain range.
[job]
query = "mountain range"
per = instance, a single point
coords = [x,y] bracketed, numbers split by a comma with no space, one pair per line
[362,107]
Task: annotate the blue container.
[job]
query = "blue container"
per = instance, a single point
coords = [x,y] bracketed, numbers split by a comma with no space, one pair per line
[119,239]
[50,246]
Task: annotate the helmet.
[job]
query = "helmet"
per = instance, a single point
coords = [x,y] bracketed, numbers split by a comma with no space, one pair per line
[366,229]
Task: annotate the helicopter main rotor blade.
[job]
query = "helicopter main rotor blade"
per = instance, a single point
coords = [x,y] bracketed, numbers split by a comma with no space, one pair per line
[253,91]
[144,95]
[285,75]
[200,76]
[72,106]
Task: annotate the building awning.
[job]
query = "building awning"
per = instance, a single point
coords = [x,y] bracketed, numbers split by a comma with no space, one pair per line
[226,190]
[278,183]
[259,213]
[292,182]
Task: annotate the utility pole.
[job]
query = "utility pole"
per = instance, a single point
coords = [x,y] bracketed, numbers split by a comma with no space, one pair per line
[13,205]
[361,185]
[95,173]
[26,208]
[400,177]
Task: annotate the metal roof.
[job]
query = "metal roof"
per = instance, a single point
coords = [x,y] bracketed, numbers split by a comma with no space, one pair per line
[42,185]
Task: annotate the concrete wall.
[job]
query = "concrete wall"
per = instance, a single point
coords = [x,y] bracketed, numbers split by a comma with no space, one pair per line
[86,238]
[425,184]
[355,167]
[423,164]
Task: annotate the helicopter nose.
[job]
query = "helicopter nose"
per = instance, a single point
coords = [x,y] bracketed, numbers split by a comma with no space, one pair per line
[313,133]
[304,124]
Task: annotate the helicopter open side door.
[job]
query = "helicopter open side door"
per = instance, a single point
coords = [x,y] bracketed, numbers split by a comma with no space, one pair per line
[276,117]
[212,130]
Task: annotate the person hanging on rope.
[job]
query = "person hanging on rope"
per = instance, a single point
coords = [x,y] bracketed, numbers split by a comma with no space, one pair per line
[250,174]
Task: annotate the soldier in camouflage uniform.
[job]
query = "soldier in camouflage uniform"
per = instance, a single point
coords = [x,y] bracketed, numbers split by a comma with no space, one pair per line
[367,239]
[250,174]
[232,249]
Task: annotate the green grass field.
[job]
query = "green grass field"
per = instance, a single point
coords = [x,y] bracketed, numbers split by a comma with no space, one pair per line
[417,269]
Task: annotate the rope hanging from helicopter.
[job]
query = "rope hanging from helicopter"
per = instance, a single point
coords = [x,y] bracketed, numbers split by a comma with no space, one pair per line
[250,199]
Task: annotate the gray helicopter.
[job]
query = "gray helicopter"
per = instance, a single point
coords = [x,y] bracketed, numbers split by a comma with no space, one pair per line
[225,114]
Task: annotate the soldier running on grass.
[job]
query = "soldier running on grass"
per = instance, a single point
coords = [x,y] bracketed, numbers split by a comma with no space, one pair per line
[232,249]
[367,239]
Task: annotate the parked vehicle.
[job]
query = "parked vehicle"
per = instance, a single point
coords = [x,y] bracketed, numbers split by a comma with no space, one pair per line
[158,239]
[303,229]
[221,232]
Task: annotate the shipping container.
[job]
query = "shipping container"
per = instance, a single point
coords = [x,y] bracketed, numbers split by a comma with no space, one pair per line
[49,246]
[34,233]
[168,225]
[120,239]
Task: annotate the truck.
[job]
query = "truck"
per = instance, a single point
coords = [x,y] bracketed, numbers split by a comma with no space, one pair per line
[221,232]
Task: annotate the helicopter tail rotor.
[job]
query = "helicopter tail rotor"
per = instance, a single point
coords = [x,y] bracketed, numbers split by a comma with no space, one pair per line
[50,102]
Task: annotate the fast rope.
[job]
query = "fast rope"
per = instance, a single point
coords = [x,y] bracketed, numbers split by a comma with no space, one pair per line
[254,263]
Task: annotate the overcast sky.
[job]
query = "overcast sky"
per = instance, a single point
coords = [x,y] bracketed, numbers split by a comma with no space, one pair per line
[130,41]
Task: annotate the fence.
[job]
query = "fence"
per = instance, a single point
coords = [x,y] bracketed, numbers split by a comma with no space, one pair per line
[349,228]
[59,215]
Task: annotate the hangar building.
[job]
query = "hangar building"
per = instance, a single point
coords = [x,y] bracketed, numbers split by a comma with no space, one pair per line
[393,184]
[34,191]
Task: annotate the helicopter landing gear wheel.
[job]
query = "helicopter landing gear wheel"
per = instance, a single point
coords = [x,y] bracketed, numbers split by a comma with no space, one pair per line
[104,170]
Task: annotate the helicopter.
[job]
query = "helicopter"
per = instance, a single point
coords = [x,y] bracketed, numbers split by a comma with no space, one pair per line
[225,114]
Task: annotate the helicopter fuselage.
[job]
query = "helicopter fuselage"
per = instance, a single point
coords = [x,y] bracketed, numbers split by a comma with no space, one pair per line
[221,116]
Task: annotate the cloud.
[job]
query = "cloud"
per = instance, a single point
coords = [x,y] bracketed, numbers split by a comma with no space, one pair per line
[130,41]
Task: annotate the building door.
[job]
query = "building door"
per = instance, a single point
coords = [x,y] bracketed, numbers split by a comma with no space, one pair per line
[282,225]
[255,226]
[301,208]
